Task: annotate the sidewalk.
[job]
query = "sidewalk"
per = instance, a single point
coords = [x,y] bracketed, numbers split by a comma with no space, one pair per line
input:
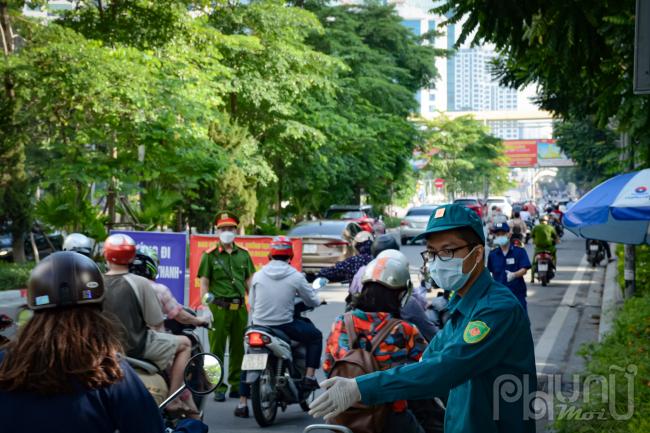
[612,300]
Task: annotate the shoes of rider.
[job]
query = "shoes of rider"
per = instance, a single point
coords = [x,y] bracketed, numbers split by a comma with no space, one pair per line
[219,396]
[310,384]
[242,412]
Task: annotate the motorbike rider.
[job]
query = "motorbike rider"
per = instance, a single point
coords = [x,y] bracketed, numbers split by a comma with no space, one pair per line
[605,245]
[346,269]
[519,227]
[131,301]
[63,373]
[272,294]
[415,306]
[79,243]
[544,238]
[509,263]
[386,283]
[145,264]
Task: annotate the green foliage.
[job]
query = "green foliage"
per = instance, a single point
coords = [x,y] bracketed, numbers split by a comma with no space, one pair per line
[580,53]
[14,275]
[594,150]
[462,152]
[240,106]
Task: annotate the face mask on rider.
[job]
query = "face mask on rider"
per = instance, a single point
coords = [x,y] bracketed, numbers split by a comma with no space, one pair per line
[501,240]
[227,237]
[449,274]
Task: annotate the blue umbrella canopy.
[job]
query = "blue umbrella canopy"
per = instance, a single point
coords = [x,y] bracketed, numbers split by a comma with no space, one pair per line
[617,210]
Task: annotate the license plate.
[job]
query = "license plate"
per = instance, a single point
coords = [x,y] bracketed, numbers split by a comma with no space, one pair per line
[593,247]
[310,248]
[254,361]
[543,267]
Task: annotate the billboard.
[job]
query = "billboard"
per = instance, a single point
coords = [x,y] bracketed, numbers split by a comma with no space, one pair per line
[535,153]
[257,246]
[549,154]
[172,250]
[521,153]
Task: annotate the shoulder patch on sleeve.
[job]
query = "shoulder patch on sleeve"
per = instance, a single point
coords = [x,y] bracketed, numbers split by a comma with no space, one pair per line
[475,331]
[211,249]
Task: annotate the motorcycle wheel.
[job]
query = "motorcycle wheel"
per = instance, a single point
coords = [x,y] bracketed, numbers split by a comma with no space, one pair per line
[544,279]
[263,396]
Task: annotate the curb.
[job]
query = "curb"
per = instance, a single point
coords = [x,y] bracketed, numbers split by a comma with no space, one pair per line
[612,300]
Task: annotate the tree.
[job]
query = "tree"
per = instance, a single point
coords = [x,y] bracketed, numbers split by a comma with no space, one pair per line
[462,152]
[580,53]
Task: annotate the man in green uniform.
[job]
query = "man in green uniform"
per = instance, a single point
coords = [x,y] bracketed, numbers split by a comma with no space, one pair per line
[485,347]
[544,237]
[225,271]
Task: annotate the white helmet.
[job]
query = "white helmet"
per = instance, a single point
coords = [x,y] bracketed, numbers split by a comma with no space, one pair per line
[78,243]
[390,272]
[395,254]
[363,236]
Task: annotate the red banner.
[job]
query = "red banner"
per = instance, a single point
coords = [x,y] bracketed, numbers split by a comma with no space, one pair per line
[257,246]
[521,153]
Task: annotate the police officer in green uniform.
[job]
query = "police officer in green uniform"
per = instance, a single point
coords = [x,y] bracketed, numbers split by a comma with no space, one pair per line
[484,350]
[225,271]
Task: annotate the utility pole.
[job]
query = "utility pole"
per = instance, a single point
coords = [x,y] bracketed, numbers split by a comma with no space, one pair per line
[629,265]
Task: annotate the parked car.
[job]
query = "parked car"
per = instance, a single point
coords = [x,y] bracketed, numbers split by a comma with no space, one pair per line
[415,222]
[325,242]
[363,215]
[500,202]
[474,204]
[44,247]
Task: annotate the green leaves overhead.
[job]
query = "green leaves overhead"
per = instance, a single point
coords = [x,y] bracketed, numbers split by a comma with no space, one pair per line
[185,107]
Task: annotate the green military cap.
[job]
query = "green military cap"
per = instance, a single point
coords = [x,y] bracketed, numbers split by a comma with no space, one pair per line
[226,219]
[453,216]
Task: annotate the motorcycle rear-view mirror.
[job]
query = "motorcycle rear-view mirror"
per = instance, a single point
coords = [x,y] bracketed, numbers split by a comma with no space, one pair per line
[204,380]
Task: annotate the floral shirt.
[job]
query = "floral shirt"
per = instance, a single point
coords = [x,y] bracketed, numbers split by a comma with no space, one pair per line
[170,305]
[403,345]
[345,270]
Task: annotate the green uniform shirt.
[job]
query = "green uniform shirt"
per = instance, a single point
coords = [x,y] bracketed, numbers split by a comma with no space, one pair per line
[485,344]
[544,236]
[227,272]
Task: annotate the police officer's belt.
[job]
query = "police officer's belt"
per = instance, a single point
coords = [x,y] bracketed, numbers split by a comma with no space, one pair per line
[229,303]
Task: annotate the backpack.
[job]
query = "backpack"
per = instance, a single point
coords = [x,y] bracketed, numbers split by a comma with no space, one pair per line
[361,418]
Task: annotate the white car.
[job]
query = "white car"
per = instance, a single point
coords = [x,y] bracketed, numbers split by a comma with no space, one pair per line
[500,202]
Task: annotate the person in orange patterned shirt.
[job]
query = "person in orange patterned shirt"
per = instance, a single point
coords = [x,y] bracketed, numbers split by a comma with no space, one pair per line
[381,299]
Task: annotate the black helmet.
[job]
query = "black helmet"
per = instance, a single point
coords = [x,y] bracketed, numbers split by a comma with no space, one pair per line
[383,242]
[145,263]
[64,279]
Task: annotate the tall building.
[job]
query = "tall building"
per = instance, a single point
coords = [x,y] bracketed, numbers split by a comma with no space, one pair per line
[467,84]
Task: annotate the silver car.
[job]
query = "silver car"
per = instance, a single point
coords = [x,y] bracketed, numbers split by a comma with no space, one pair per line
[325,242]
[415,222]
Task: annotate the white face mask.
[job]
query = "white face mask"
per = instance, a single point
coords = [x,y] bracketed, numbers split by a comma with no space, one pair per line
[501,240]
[449,274]
[227,237]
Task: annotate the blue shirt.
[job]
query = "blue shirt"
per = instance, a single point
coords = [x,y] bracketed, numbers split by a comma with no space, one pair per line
[485,343]
[514,260]
[126,406]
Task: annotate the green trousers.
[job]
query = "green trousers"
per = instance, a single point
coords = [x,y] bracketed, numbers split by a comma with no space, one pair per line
[229,324]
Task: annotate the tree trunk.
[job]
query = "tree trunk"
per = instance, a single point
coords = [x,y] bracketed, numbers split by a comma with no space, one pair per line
[16,204]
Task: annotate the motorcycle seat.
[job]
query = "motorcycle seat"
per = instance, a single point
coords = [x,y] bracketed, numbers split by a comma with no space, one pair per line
[143,364]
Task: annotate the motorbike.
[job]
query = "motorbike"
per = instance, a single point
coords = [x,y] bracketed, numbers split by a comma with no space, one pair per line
[157,381]
[529,228]
[13,313]
[544,267]
[275,367]
[595,253]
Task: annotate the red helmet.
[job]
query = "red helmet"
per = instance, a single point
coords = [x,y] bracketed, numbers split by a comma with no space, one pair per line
[119,249]
[281,246]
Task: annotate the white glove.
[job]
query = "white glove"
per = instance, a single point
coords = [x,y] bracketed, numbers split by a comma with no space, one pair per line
[510,276]
[340,394]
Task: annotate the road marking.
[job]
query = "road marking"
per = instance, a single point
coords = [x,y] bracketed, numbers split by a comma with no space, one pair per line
[548,339]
